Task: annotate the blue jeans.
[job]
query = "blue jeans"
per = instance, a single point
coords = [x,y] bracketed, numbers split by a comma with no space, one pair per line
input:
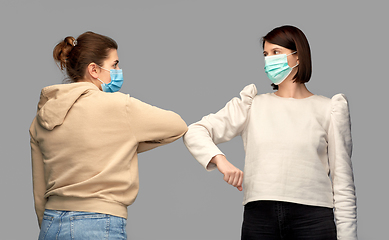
[64,225]
[274,220]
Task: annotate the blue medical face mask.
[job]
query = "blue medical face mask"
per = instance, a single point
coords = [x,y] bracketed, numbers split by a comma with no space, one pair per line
[277,68]
[116,80]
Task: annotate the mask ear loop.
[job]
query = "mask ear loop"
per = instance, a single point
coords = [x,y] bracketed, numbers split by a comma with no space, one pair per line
[291,54]
[286,55]
[100,81]
[105,70]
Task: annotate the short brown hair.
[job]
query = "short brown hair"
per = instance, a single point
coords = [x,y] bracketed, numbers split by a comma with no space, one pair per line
[292,38]
[75,55]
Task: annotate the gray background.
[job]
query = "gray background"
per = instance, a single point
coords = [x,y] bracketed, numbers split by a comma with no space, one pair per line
[192,57]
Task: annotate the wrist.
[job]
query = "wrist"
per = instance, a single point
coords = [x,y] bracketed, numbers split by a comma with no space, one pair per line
[218,158]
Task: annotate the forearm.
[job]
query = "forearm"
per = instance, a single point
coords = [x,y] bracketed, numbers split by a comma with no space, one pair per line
[39,186]
[200,144]
[153,126]
[148,145]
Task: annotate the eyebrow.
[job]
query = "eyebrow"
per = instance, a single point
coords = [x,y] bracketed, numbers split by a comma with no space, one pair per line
[276,48]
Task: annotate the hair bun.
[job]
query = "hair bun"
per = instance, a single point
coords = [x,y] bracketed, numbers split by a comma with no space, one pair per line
[71,41]
[62,50]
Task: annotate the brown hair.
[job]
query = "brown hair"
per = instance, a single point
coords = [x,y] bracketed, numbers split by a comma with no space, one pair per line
[75,55]
[292,38]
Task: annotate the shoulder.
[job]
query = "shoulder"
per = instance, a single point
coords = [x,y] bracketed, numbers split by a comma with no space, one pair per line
[249,91]
[264,98]
[340,109]
[339,102]
[246,96]
[114,97]
[107,101]
[339,99]
[321,101]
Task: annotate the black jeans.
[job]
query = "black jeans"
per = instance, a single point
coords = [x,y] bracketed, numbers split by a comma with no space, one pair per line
[274,220]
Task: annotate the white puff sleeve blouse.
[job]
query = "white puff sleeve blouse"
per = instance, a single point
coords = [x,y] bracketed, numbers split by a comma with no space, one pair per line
[297,150]
[339,153]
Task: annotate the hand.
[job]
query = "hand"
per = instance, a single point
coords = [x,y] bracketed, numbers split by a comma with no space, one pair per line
[232,175]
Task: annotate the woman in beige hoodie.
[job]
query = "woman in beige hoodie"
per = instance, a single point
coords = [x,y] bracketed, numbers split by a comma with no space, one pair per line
[84,143]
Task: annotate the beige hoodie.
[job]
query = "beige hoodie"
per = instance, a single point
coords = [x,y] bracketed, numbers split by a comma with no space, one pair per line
[84,145]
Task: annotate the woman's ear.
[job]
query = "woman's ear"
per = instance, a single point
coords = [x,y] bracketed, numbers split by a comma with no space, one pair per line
[93,70]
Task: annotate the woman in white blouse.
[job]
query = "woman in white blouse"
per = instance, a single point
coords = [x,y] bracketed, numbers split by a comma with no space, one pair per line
[298,175]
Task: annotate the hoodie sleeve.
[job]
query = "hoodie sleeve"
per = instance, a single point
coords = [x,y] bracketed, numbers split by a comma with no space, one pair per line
[203,136]
[153,126]
[38,178]
[339,149]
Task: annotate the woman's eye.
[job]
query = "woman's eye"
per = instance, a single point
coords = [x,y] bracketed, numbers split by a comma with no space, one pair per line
[276,52]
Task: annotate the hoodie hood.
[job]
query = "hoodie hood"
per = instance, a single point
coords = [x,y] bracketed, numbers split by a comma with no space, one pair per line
[56,101]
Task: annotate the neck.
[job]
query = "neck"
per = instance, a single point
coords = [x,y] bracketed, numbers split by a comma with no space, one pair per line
[290,89]
[91,80]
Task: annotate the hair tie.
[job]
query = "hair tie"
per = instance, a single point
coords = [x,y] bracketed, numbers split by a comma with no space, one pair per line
[74,43]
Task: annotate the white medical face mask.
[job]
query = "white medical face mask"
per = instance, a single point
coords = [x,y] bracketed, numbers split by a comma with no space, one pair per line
[277,67]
